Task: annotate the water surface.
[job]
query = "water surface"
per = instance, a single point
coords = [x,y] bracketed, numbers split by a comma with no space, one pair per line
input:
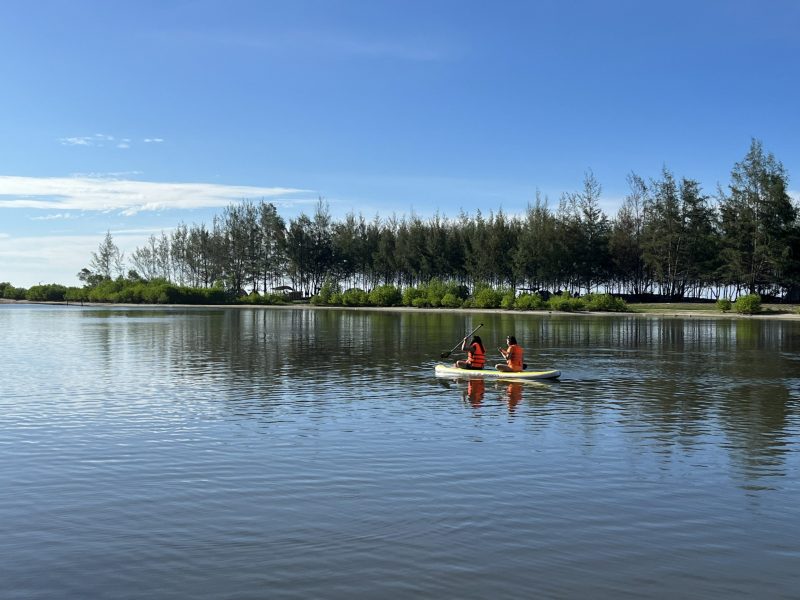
[297,453]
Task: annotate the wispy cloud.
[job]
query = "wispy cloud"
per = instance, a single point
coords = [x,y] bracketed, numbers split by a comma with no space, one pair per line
[108,175]
[102,140]
[98,139]
[54,217]
[129,197]
[142,231]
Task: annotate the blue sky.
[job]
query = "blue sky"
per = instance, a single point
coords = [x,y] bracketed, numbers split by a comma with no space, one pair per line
[135,116]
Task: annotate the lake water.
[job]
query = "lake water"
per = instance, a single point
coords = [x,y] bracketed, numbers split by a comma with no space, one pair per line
[296,453]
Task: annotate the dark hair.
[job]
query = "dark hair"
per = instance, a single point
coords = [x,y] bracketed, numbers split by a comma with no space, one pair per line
[477,340]
[511,340]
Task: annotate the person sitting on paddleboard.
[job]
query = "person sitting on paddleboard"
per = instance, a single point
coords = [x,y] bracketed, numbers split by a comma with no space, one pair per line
[476,354]
[513,356]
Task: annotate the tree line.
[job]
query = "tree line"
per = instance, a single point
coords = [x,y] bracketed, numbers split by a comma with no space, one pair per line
[669,238]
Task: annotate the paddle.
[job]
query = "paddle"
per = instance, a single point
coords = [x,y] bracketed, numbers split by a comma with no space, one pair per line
[453,349]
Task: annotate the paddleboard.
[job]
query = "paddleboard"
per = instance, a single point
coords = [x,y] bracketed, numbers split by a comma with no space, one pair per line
[450,371]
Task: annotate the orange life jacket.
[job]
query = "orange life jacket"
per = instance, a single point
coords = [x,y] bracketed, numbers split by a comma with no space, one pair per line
[514,357]
[476,358]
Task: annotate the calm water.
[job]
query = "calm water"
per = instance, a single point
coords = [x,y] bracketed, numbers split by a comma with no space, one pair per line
[290,453]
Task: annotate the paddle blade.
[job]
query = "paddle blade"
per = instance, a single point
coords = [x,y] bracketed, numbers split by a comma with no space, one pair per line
[444,355]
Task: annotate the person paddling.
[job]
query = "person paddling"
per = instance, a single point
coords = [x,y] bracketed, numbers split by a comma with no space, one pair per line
[476,354]
[513,355]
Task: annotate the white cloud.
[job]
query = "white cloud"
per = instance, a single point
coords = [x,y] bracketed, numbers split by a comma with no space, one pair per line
[98,139]
[142,231]
[54,217]
[127,197]
[75,141]
[109,175]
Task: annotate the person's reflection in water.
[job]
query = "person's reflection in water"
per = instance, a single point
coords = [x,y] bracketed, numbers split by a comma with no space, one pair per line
[474,392]
[514,395]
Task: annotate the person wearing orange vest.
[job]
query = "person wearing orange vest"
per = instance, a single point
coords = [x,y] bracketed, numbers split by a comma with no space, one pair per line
[476,354]
[513,356]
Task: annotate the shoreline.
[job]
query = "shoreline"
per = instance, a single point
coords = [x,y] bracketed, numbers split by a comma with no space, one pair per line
[779,312]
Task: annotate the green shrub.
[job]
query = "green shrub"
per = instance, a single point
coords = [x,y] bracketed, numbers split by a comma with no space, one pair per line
[134,293]
[566,303]
[560,302]
[450,300]
[260,299]
[523,302]
[251,298]
[420,302]
[385,295]
[213,295]
[411,293]
[326,292]
[749,304]
[355,297]
[105,291]
[76,294]
[435,291]
[157,291]
[487,297]
[724,304]
[529,302]
[507,301]
[46,293]
[14,293]
[604,303]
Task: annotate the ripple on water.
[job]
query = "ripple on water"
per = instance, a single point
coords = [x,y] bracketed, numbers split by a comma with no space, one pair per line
[296,453]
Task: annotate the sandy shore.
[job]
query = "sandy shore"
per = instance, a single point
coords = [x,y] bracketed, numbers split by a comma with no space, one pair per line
[770,311]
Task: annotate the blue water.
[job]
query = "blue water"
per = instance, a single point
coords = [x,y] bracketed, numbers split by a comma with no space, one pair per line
[296,453]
